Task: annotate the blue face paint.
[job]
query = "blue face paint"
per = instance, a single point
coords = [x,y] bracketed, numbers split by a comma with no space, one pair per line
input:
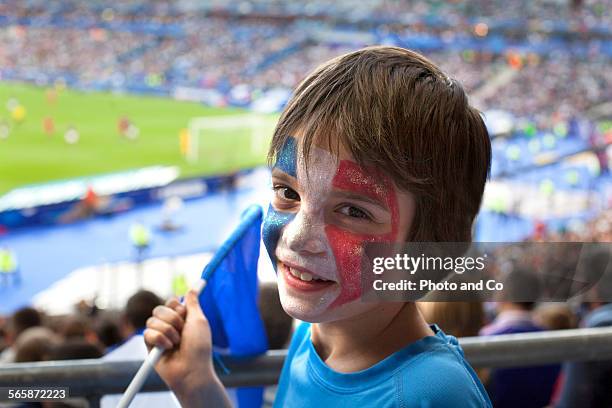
[286,159]
[272,226]
[274,221]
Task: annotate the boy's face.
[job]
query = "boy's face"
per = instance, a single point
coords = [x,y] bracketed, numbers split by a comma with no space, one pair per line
[318,224]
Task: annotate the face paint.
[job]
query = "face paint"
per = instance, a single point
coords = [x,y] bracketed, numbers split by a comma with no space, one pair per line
[274,221]
[304,238]
[271,230]
[287,158]
[347,246]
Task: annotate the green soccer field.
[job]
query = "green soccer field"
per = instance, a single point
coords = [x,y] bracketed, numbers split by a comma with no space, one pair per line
[29,154]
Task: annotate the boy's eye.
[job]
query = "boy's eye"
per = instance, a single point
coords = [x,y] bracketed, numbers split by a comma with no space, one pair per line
[286,193]
[354,212]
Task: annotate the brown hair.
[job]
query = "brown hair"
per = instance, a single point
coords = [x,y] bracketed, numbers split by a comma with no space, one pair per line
[140,307]
[24,319]
[395,110]
[35,344]
[460,319]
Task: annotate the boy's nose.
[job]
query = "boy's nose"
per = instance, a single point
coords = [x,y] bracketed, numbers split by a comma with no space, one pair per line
[305,235]
[313,246]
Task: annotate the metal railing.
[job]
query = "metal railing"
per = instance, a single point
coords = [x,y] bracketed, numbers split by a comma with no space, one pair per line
[91,379]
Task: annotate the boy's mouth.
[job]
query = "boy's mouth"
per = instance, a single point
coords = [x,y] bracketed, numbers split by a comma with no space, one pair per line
[302,279]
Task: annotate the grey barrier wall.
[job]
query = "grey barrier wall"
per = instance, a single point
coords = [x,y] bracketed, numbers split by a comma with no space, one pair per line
[91,379]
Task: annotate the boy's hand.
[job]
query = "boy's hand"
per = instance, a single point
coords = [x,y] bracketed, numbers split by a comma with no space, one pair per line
[183,331]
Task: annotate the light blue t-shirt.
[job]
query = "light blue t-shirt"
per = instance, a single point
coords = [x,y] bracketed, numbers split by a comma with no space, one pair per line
[429,373]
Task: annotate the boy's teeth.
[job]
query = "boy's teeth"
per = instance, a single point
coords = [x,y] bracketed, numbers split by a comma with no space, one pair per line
[305,276]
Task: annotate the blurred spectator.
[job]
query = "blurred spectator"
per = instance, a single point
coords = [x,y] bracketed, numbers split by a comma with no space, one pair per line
[555,316]
[460,319]
[563,71]
[22,320]
[90,205]
[3,333]
[109,333]
[589,383]
[525,387]
[138,309]
[78,328]
[9,268]
[74,349]
[74,327]
[35,344]
[86,308]
[278,324]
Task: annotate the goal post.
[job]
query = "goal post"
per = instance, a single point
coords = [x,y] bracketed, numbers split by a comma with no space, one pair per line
[247,133]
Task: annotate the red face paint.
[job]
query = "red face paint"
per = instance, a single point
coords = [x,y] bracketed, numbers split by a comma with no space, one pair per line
[348,247]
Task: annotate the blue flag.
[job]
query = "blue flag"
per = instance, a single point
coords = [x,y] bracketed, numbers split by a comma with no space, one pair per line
[229,299]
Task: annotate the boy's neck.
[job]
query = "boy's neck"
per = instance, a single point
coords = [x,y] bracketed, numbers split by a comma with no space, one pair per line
[358,343]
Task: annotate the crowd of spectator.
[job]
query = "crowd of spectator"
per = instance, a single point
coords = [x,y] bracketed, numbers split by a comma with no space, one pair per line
[88,55]
[217,52]
[29,335]
[574,384]
[157,46]
[598,229]
[517,310]
[588,13]
[557,87]
[546,89]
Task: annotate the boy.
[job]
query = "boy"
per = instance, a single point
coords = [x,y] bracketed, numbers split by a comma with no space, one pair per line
[375,146]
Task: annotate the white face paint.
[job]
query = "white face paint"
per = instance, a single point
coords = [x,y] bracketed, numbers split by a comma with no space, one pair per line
[303,243]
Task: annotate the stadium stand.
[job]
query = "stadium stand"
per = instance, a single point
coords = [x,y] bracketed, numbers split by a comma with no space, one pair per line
[544,66]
